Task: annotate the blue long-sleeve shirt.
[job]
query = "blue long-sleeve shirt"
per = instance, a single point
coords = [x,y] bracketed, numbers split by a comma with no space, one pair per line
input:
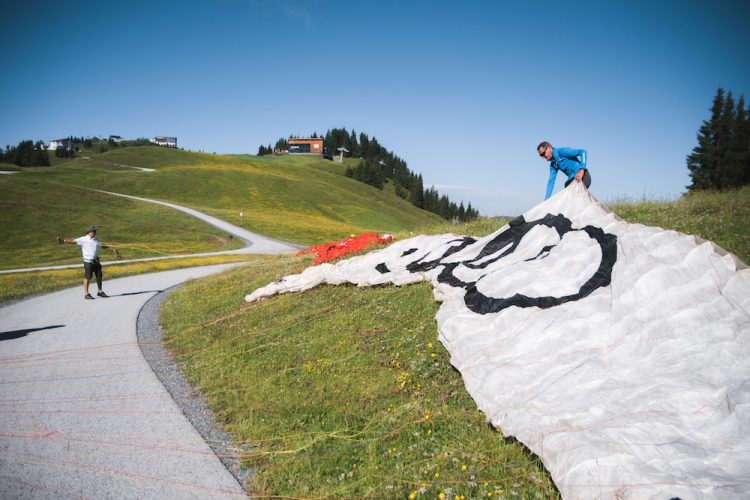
[567,160]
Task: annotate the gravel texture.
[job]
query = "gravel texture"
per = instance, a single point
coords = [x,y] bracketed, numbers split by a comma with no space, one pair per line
[188,398]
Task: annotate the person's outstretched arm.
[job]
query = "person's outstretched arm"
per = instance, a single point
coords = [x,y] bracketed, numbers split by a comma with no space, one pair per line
[551,182]
[114,251]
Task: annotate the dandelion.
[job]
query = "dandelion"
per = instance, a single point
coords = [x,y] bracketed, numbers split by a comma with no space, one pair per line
[463,467]
[441,496]
[412,495]
[433,355]
[429,346]
[437,475]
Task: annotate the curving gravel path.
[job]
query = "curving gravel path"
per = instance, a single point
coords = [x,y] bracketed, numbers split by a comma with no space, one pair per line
[82,411]
[82,414]
[254,243]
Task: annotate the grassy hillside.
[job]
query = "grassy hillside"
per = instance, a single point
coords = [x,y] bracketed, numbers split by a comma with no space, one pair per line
[348,393]
[345,394]
[299,199]
[34,209]
[722,217]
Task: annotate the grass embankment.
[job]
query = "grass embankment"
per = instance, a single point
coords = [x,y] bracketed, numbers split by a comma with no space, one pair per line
[344,394]
[722,217]
[348,393]
[17,286]
[34,209]
[303,200]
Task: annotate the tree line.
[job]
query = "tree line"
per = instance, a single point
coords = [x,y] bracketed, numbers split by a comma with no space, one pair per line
[721,160]
[35,154]
[378,165]
[26,154]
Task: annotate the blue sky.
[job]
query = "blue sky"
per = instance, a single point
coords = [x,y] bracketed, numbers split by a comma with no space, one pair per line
[463,91]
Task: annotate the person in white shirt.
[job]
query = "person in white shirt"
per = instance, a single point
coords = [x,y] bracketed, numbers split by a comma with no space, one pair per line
[90,246]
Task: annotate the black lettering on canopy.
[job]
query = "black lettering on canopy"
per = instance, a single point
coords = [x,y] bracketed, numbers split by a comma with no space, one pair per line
[505,244]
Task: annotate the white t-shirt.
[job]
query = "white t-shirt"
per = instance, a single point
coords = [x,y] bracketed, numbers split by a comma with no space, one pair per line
[89,247]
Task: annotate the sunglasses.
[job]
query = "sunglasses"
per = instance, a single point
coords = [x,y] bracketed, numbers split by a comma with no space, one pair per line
[544,152]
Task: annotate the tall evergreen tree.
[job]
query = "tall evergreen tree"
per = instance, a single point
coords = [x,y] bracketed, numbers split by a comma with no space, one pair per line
[417,193]
[703,161]
[740,147]
[720,160]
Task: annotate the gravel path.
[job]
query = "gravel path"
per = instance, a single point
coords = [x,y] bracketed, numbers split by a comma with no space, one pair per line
[93,406]
[190,401]
[83,415]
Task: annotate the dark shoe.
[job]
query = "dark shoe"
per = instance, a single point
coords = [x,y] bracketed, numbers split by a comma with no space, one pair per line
[101,294]
[88,297]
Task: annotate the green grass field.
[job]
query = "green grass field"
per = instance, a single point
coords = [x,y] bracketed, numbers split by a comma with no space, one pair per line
[346,394]
[35,209]
[349,394]
[722,217]
[302,200]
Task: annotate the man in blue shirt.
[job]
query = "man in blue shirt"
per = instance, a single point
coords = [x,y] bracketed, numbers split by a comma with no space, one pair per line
[571,162]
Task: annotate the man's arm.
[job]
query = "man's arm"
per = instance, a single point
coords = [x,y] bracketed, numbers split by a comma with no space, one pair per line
[114,250]
[574,154]
[551,181]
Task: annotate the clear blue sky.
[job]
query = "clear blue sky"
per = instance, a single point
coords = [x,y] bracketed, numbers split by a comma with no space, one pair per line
[463,91]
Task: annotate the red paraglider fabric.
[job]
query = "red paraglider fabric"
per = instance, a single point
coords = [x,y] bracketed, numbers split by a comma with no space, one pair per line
[336,249]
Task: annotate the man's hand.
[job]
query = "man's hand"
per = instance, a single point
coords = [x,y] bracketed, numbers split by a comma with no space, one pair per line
[60,240]
[579,175]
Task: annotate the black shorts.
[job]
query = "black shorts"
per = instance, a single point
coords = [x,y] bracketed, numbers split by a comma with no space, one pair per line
[90,268]
[586,179]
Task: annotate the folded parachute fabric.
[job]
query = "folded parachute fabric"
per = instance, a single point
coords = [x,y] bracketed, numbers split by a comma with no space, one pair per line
[618,353]
[336,249]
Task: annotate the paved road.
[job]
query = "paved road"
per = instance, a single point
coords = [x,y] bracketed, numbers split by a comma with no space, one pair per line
[82,414]
[254,242]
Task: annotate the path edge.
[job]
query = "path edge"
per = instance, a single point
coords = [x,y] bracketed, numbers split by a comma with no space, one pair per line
[189,399]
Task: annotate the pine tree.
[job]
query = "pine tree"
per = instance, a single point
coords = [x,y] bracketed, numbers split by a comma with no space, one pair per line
[721,158]
[417,193]
[724,131]
[740,147]
[703,161]
[40,157]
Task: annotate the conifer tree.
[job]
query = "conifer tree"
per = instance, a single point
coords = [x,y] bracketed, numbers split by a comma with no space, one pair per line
[703,161]
[417,193]
[740,147]
[722,157]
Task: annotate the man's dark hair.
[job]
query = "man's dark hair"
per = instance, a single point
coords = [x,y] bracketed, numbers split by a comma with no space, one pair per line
[543,144]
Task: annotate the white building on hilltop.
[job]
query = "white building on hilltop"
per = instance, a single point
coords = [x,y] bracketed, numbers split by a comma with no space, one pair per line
[165,141]
[56,144]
